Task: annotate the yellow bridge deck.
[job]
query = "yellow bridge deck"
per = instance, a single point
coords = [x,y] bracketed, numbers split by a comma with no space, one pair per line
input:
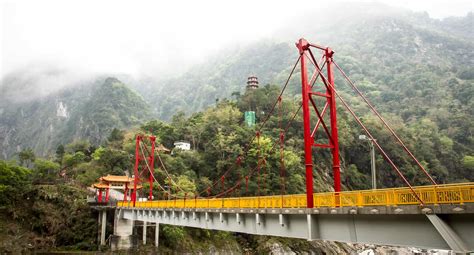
[441,194]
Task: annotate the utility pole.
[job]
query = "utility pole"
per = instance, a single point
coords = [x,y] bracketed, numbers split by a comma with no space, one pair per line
[372,159]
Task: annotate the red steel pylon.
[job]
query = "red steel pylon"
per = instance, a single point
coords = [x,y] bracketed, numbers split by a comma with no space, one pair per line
[307,99]
[150,158]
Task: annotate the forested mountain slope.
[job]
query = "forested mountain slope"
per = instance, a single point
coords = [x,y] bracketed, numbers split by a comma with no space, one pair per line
[82,111]
[418,71]
[391,49]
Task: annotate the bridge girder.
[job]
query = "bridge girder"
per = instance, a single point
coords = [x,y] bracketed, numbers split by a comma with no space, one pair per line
[432,231]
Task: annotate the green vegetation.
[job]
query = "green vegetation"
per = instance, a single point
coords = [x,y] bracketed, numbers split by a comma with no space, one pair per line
[418,74]
[37,216]
[91,111]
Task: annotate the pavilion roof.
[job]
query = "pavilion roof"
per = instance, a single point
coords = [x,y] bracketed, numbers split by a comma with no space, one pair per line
[101,185]
[116,178]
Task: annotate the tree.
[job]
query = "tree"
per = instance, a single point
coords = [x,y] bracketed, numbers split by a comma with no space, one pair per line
[115,161]
[116,135]
[98,153]
[14,180]
[187,186]
[468,162]
[83,146]
[70,160]
[45,171]
[164,131]
[26,157]
[60,153]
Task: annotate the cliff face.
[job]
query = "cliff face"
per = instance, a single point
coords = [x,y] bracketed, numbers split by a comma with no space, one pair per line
[83,111]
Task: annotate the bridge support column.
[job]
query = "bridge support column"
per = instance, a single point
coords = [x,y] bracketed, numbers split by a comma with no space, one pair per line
[157,234]
[123,238]
[144,232]
[313,231]
[282,219]
[258,219]
[103,225]
[99,227]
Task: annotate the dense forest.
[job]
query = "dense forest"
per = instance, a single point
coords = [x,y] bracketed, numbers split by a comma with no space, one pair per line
[419,73]
[218,135]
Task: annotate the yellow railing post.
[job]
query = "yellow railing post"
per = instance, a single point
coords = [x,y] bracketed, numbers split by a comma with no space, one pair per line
[359,199]
[395,198]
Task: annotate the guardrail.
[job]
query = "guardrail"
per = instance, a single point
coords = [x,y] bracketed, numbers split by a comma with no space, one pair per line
[440,194]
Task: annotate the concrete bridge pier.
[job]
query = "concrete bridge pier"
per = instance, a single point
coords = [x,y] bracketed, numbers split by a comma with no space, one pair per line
[154,216]
[144,232]
[123,237]
[99,218]
[102,224]
[157,234]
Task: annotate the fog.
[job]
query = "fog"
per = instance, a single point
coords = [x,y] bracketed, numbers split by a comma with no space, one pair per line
[151,38]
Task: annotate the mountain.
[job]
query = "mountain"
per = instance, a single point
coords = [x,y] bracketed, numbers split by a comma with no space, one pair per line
[408,64]
[370,40]
[89,109]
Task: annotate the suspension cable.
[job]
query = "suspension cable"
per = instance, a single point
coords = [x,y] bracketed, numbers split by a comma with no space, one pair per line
[149,169]
[262,125]
[167,173]
[313,80]
[354,87]
[370,136]
[282,147]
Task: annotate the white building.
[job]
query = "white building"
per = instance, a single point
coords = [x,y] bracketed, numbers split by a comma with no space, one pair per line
[185,146]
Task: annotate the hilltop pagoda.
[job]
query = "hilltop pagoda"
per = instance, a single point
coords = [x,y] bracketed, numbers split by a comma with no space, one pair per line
[252,82]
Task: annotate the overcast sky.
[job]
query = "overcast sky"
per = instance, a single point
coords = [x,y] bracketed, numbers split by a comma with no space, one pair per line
[143,37]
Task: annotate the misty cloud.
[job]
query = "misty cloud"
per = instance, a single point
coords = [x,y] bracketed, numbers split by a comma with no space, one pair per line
[36,81]
[153,38]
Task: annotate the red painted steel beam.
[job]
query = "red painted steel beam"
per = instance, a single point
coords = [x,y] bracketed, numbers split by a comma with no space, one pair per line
[135,170]
[333,116]
[303,46]
[152,166]
[317,46]
[107,195]
[319,121]
[323,145]
[100,196]
[125,193]
[319,94]
[309,140]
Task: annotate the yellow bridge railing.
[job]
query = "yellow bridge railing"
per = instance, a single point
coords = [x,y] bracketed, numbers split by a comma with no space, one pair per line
[441,194]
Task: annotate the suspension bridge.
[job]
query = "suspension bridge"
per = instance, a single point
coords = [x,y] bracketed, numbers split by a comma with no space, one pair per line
[439,216]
